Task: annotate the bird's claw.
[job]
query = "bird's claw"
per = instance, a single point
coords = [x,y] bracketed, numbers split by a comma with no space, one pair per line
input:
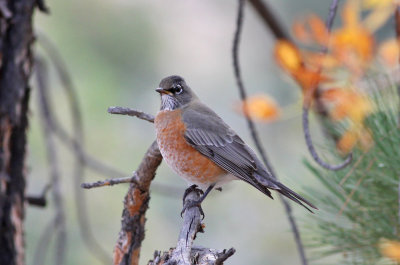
[192,203]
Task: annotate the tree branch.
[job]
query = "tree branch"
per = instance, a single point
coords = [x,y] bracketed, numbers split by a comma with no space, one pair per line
[108,182]
[131,112]
[78,139]
[131,235]
[185,253]
[200,256]
[250,123]
[320,108]
[270,20]
[312,150]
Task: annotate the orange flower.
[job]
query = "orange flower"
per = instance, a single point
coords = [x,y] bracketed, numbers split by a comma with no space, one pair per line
[347,142]
[390,249]
[260,107]
[300,32]
[326,61]
[318,30]
[353,44]
[309,80]
[355,135]
[288,56]
[389,52]
[347,104]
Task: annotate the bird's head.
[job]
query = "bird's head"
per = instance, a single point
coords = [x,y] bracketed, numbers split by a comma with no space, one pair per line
[174,93]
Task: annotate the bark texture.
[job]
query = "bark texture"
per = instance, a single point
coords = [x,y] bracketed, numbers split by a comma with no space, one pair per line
[16,38]
[127,249]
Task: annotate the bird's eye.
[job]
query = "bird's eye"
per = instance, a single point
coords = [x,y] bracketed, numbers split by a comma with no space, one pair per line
[178,89]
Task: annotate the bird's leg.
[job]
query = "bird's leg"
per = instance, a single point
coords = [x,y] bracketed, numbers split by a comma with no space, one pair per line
[196,203]
[189,190]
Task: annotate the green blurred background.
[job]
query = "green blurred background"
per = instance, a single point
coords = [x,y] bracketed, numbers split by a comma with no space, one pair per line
[117,52]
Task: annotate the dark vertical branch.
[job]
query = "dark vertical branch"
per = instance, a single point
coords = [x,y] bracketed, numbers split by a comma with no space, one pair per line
[270,19]
[16,38]
[250,123]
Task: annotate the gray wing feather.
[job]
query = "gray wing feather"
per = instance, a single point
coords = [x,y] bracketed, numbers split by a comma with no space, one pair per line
[222,148]
[212,137]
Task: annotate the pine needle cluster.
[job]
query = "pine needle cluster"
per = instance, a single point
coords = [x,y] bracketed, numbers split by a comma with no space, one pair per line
[359,205]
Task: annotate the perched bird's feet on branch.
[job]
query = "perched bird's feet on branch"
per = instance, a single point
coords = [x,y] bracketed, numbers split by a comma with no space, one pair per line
[193,203]
[189,190]
[196,203]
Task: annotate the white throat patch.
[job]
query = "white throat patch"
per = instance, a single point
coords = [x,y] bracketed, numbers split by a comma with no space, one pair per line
[168,102]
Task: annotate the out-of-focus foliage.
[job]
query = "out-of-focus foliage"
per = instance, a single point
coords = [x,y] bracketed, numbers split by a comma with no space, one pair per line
[359,204]
[390,249]
[345,56]
[260,107]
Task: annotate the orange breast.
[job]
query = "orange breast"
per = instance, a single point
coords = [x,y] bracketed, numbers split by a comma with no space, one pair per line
[179,155]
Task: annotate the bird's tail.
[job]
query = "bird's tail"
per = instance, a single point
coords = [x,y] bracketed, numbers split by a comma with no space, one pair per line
[273,184]
[294,197]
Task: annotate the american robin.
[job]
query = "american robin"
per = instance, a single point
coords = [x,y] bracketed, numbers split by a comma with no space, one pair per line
[200,147]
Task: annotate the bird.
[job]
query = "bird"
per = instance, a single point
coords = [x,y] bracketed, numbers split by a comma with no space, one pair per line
[201,148]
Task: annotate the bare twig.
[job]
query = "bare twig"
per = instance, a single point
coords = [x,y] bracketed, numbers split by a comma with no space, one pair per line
[185,253]
[53,162]
[162,189]
[332,14]
[40,200]
[312,150]
[127,248]
[131,112]
[44,243]
[250,123]
[89,161]
[85,229]
[321,109]
[42,6]
[108,182]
